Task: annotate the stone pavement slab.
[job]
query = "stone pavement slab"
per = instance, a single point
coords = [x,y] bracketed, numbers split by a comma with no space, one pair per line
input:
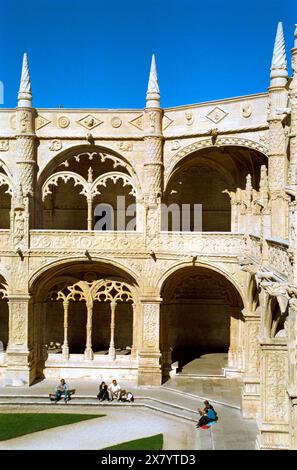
[119,425]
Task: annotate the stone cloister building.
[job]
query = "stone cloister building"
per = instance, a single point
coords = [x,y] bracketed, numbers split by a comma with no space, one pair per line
[81,302]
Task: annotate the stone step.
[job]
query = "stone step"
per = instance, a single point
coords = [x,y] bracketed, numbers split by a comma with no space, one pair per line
[199,397]
[186,375]
[148,402]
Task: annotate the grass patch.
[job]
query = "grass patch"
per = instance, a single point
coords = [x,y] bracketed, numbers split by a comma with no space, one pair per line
[146,443]
[18,424]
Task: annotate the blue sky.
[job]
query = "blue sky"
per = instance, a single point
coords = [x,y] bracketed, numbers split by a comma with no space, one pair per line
[96,54]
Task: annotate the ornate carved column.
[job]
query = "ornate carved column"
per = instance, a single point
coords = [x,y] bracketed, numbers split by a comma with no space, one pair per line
[166,311]
[136,331]
[65,347]
[235,349]
[232,352]
[292,329]
[140,215]
[273,422]
[277,173]
[251,378]
[39,334]
[278,162]
[111,351]
[293,106]
[25,138]
[153,156]
[149,370]
[88,354]
[292,370]
[20,359]
[235,201]
[90,212]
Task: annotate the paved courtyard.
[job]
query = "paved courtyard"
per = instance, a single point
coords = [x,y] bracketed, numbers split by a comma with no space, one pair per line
[170,409]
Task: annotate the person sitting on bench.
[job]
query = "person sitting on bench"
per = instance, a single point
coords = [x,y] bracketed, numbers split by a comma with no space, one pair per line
[208,415]
[114,390]
[103,392]
[61,389]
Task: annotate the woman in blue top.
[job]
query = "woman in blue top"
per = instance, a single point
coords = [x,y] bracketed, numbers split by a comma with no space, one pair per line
[207,415]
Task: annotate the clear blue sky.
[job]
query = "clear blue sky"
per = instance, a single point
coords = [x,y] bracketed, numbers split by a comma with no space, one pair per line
[97,54]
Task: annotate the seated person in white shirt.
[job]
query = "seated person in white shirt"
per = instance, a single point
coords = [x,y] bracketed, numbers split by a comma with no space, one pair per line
[114,390]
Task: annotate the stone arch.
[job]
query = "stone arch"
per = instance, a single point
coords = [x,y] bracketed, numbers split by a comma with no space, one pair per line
[7,171]
[57,265]
[107,153]
[201,317]
[75,325]
[6,192]
[199,263]
[210,175]
[208,143]
[71,183]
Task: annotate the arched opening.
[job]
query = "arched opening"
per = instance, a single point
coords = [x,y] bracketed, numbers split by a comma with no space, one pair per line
[85,314]
[205,177]
[201,322]
[5,200]
[65,208]
[75,191]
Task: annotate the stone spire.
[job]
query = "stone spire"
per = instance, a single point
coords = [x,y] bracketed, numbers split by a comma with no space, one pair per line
[153,92]
[279,69]
[294,58]
[25,93]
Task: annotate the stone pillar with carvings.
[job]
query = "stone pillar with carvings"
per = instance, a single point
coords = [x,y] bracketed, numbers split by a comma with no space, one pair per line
[149,369]
[152,156]
[277,154]
[292,369]
[19,354]
[251,359]
[65,346]
[19,220]
[293,106]
[88,354]
[292,249]
[274,418]
[112,351]
[235,348]
[273,421]
[235,201]
[135,334]
[248,204]
[167,311]
[25,138]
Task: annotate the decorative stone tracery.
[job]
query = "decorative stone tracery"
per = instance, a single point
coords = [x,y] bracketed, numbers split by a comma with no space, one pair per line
[100,290]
